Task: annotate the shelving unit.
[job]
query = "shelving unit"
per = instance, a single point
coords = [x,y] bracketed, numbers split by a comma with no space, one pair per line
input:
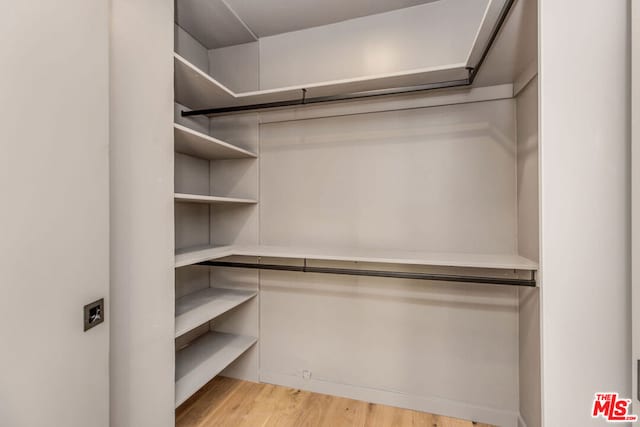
[199,307]
[461,260]
[194,255]
[197,89]
[437,175]
[204,358]
[193,143]
[204,166]
[197,198]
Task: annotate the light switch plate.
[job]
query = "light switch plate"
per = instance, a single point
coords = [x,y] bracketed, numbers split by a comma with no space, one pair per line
[93,314]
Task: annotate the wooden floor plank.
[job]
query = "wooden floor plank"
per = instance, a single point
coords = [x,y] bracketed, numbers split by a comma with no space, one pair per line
[194,411]
[313,412]
[233,411]
[288,407]
[226,402]
[346,412]
[380,415]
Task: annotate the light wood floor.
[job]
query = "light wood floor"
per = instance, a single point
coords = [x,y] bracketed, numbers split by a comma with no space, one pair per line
[234,403]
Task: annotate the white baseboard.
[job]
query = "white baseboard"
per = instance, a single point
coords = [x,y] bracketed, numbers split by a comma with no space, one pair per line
[434,405]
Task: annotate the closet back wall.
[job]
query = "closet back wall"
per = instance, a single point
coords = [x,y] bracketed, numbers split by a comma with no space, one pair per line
[431,179]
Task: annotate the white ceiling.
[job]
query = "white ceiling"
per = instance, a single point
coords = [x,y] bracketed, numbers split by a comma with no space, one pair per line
[243,21]
[270,17]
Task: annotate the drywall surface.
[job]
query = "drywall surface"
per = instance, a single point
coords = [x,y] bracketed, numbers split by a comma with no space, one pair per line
[236,67]
[191,176]
[190,49]
[142,241]
[527,171]
[447,349]
[432,179]
[442,33]
[528,246]
[54,177]
[584,137]
[439,179]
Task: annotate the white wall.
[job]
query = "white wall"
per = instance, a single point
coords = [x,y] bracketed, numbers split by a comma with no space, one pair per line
[527,171]
[142,251]
[190,48]
[584,136]
[434,179]
[439,179]
[528,246]
[236,67]
[445,349]
[54,244]
[442,33]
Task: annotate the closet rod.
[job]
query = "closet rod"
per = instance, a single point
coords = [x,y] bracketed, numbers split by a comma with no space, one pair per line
[303,100]
[379,273]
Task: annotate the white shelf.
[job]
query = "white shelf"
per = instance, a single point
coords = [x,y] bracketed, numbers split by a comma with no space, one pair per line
[435,259]
[194,255]
[462,260]
[204,358]
[194,309]
[197,198]
[196,89]
[188,141]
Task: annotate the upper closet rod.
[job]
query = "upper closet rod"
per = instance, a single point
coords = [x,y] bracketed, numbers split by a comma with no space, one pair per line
[379,273]
[303,100]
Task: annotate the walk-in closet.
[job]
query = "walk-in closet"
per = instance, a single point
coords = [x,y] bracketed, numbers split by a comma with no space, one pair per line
[320,213]
[356,202]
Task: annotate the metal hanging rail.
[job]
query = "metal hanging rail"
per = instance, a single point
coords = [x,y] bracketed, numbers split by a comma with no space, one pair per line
[303,100]
[333,98]
[379,273]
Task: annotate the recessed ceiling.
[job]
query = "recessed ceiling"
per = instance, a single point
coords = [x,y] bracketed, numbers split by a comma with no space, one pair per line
[220,23]
[270,17]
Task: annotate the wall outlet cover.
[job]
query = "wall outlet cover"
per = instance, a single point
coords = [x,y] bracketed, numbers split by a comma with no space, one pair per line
[93,314]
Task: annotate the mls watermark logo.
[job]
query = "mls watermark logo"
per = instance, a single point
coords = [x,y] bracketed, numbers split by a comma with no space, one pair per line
[612,408]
